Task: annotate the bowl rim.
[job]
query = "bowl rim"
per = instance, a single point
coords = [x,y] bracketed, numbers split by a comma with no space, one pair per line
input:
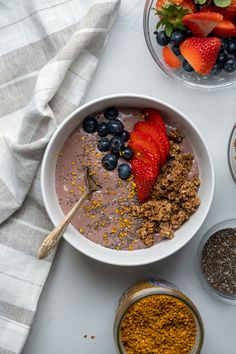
[145,260]
[168,72]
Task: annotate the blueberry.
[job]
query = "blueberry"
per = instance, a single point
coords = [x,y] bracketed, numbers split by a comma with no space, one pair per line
[232,47]
[188,33]
[103,144]
[216,68]
[186,66]
[125,135]
[102,129]
[162,38]
[127,153]
[124,171]
[229,66]
[176,50]
[109,162]
[177,37]
[111,113]
[115,126]
[90,124]
[222,57]
[224,44]
[116,144]
[198,7]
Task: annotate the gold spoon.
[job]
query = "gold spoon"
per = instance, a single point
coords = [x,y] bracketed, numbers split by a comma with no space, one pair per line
[51,241]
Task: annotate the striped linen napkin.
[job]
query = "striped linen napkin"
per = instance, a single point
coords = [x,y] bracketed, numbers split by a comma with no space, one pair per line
[48,54]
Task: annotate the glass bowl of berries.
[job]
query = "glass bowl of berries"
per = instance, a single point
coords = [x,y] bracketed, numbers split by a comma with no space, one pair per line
[193,42]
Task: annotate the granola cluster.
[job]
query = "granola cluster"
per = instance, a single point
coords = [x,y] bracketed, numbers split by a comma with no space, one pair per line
[174,198]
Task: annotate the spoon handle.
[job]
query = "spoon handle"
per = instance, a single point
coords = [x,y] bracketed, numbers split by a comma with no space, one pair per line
[51,241]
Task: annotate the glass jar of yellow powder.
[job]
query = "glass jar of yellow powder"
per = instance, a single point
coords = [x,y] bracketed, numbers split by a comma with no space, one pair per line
[155,317]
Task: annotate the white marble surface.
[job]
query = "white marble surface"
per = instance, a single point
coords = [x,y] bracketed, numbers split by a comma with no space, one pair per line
[81,295]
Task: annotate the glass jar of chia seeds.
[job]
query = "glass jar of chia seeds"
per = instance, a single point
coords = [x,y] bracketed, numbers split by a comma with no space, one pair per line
[154,316]
[216,261]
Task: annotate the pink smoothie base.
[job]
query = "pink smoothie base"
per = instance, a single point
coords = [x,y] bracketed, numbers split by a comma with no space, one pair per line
[101,219]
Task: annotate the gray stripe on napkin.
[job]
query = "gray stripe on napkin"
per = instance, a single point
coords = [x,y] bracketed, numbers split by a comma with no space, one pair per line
[25,232]
[103,21]
[33,13]
[16,313]
[61,107]
[27,239]
[20,62]
[7,199]
[22,89]
[33,207]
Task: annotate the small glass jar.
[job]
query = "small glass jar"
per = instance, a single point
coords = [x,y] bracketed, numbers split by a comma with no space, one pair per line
[226,298]
[155,287]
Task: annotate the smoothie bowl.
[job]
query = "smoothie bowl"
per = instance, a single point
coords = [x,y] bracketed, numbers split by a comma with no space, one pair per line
[155,171]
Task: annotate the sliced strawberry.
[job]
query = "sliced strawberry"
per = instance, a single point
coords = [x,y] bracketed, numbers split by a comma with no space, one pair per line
[153,129]
[202,23]
[144,178]
[225,29]
[201,53]
[150,129]
[232,7]
[162,136]
[153,115]
[146,141]
[170,58]
[145,155]
[228,13]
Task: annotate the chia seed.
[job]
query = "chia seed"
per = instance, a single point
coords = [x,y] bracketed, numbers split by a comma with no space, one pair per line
[219,261]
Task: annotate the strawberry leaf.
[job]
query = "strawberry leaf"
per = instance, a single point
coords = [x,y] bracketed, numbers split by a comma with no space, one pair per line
[168,30]
[159,24]
[171,18]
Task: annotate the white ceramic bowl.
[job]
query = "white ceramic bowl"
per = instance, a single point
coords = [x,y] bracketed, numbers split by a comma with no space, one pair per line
[164,248]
